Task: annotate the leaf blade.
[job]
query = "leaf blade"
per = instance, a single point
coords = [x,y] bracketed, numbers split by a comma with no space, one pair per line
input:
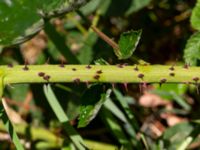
[192,50]
[127,43]
[195,17]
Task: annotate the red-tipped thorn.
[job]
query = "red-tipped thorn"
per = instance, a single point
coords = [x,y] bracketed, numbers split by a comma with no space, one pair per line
[186,66]
[162,81]
[25,68]
[46,77]
[197,87]
[113,85]
[87,84]
[77,81]
[10,65]
[125,86]
[88,67]
[62,65]
[47,61]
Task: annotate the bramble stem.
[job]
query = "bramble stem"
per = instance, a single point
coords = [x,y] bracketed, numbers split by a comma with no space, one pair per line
[99,73]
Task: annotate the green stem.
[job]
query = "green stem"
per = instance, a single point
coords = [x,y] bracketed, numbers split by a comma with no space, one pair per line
[39,133]
[100,73]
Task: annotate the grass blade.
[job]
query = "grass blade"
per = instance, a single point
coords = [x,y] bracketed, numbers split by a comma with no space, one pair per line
[62,117]
[9,127]
[115,128]
[110,105]
[126,108]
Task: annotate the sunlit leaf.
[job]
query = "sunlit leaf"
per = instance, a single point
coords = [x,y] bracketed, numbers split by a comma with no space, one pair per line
[192,50]
[195,18]
[127,43]
[90,109]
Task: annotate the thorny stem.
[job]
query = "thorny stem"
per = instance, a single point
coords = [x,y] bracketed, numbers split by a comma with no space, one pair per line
[99,73]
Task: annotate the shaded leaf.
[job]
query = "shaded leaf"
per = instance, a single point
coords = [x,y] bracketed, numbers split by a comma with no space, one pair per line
[137,5]
[18,92]
[59,42]
[115,128]
[85,54]
[90,7]
[192,50]
[123,100]
[127,44]
[18,27]
[127,123]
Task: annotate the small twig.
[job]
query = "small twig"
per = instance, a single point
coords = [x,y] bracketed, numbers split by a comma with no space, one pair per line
[104,37]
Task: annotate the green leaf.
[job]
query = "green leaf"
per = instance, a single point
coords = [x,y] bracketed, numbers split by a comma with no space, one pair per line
[88,111]
[127,44]
[192,50]
[18,27]
[195,17]
[137,5]
[22,19]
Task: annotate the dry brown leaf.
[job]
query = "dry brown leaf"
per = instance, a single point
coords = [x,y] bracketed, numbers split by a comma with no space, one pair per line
[12,114]
[32,48]
[152,100]
[172,119]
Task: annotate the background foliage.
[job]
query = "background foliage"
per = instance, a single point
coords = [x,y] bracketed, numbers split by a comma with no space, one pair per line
[100,116]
